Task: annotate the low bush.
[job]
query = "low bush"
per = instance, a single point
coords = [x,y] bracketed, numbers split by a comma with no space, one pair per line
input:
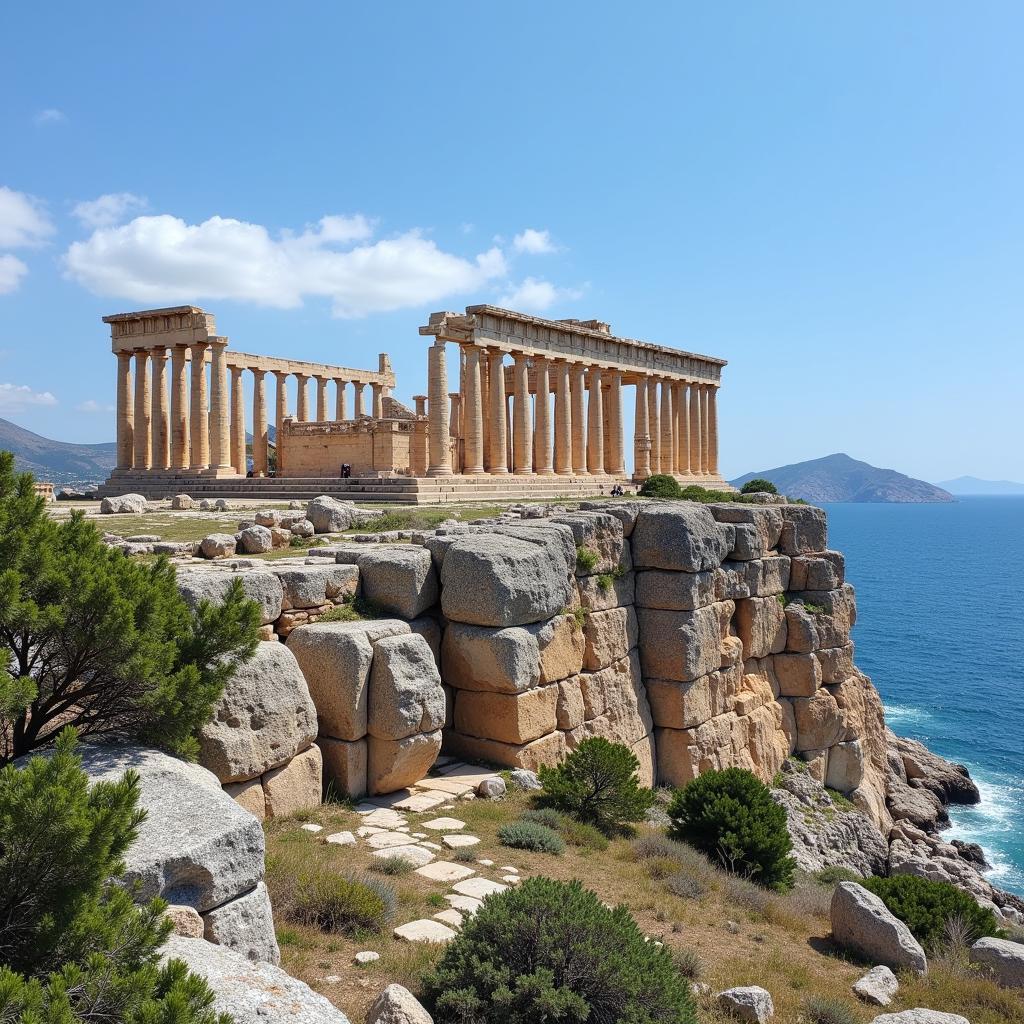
[597,784]
[543,816]
[688,887]
[650,846]
[660,867]
[926,907]
[731,817]
[759,486]
[586,559]
[529,835]
[575,833]
[834,875]
[395,865]
[828,1010]
[342,903]
[660,485]
[549,950]
[688,963]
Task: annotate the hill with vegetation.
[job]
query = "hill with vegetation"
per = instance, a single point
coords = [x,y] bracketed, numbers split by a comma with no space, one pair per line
[59,462]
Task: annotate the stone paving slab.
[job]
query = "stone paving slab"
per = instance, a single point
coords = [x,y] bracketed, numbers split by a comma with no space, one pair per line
[424,801]
[469,774]
[455,787]
[445,871]
[466,904]
[414,854]
[424,930]
[456,841]
[450,917]
[444,824]
[382,840]
[341,839]
[478,888]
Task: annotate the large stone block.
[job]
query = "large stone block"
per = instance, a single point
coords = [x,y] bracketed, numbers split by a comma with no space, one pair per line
[430,629]
[548,750]
[862,923]
[679,536]
[502,581]
[264,717]
[676,591]
[1005,959]
[123,503]
[599,533]
[819,721]
[761,625]
[246,925]
[626,512]
[760,577]
[212,585]
[836,663]
[845,770]
[747,543]
[678,705]
[344,771]
[405,695]
[798,675]
[329,515]
[484,658]
[680,645]
[560,643]
[398,580]
[335,658]
[249,794]
[609,590]
[820,619]
[766,519]
[570,710]
[395,764]
[804,530]
[312,586]
[296,786]
[610,635]
[825,571]
[255,540]
[618,688]
[510,718]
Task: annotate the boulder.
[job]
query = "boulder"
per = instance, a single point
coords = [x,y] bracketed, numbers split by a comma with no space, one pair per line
[950,782]
[296,786]
[920,1015]
[492,788]
[1005,959]
[182,502]
[679,536]
[329,515]
[212,585]
[302,528]
[123,503]
[804,530]
[861,922]
[268,518]
[398,580]
[395,764]
[524,778]
[264,717]
[255,540]
[245,925]
[217,545]
[313,586]
[397,1005]
[878,986]
[405,695]
[222,505]
[845,766]
[252,993]
[747,1002]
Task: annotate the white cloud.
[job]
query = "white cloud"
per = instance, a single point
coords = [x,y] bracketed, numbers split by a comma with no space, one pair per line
[533,295]
[162,259]
[533,241]
[16,397]
[108,209]
[12,270]
[23,220]
[51,115]
[91,405]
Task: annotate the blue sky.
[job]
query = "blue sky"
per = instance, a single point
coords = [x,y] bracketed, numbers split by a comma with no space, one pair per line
[829,197]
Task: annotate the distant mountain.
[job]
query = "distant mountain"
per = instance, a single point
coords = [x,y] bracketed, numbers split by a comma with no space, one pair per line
[840,478]
[57,462]
[972,485]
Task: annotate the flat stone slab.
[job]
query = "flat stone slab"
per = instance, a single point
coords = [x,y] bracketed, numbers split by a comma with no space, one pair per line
[341,839]
[444,824]
[511,879]
[425,801]
[478,888]
[310,827]
[445,871]
[450,917]
[467,904]
[470,774]
[367,956]
[368,830]
[414,854]
[431,846]
[456,841]
[486,863]
[424,930]
[382,840]
[383,817]
[509,868]
[454,787]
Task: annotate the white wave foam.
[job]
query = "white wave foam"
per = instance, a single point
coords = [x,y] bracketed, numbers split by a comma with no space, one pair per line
[902,715]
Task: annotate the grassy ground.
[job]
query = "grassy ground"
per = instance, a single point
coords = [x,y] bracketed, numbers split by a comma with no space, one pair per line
[741,935]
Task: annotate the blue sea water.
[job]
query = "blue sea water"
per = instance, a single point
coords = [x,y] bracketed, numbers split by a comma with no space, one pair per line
[940,630]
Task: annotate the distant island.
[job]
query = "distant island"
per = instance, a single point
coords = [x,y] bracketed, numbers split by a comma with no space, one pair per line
[840,478]
[57,462]
[972,485]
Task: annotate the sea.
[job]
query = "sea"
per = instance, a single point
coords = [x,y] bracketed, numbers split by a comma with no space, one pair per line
[940,630]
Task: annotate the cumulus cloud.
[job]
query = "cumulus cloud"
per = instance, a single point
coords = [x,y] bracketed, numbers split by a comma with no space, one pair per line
[51,115]
[23,220]
[533,242]
[109,209]
[16,397]
[162,259]
[12,270]
[91,405]
[533,295]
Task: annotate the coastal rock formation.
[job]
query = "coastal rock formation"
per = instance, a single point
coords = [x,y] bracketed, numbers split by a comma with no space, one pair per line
[878,986]
[1003,958]
[862,923]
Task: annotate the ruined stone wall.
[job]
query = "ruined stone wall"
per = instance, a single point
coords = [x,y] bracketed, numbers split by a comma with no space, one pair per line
[317,450]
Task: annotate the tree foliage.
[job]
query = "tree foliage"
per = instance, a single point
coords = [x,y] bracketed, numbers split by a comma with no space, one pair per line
[551,951]
[759,486]
[73,944]
[731,817]
[660,485]
[101,640]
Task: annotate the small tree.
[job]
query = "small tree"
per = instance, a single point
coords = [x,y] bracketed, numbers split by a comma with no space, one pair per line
[73,944]
[731,817]
[660,485]
[597,783]
[759,486]
[100,640]
[552,951]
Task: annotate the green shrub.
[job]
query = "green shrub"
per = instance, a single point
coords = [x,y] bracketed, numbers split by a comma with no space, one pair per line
[730,816]
[73,945]
[582,834]
[529,835]
[759,484]
[464,854]
[656,845]
[543,816]
[688,963]
[660,485]
[551,951]
[597,784]
[828,1010]
[394,865]
[586,559]
[605,582]
[341,903]
[688,887]
[834,875]
[925,906]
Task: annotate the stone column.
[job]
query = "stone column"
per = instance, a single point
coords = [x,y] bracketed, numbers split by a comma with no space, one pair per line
[421,404]
[238,459]
[200,432]
[474,414]
[508,429]
[485,408]
[437,406]
[340,404]
[418,446]
[455,416]
[143,419]
[260,430]
[523,443]
[321,398]
[496,413]
[694,429]
[542,410]
[302,398]
[654,424]
[678,427]
[641,434]
[563,420]
[125,413]
[358,399]
[378,401]
[595,423]
[578,421]
[705,462]
[713,430]
[161,433]
[666,461]
[220,437]
[179,410]
[281,414]
[617,448]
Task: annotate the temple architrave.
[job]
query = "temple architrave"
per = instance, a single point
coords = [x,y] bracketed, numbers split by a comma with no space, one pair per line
[537,410]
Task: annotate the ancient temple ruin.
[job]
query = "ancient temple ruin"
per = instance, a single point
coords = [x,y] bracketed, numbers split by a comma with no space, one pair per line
[538,409]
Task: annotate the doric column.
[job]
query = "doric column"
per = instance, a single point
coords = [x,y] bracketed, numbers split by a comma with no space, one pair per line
[321,398]
[125,412]
[421,404]
[455,416]
[302,398]
[199,457]
[161,432]
[437,407]
[641,434]
[694,410]
[542,409]
[358,386]
[498,434]
[281,414]
[578,420]
[340,403]
[522,462]
[143,420]
[220,437]
[179,409]
[678,419]
[654,424]
[595,423]
[683,415]
[508,430]
[378,401]
[666,461]
[617,452]
[418,444]
[485,408]
[563,420]
[260,430]
[713,430]
[704,460]
[474,414]
[238,459]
